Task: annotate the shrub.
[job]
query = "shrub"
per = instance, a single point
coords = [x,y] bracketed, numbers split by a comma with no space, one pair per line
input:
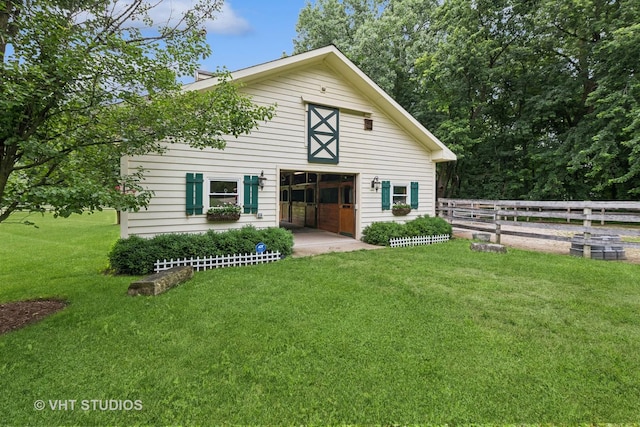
[278,240]
[379,233]
[136,256]
[248,237]
[427,226]
[132,256]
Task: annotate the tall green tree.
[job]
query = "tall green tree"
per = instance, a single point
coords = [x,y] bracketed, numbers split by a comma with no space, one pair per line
[525,78]
[84,83]
[382,37]
[538,98]
[570,36]
[477,80]
[610,158]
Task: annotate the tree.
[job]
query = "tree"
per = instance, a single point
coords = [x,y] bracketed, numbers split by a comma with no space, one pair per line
[84,83]
[472,81]
[570,36]
[539,99]
[382,37]
[519,83]
[611,159]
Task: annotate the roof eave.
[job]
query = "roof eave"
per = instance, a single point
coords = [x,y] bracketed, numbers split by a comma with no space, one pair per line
[333,58]
[442,156]
[341,64]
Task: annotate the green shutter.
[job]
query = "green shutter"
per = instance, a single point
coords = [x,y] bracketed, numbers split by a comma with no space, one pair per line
[386,195]
[250,194]
[414,195]
[190,191]
[199,206]
[194,195]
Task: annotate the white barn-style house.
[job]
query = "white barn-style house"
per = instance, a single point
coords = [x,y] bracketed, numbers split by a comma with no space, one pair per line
[338,154]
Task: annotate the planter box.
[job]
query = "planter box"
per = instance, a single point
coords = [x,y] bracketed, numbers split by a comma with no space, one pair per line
[401,211]
[223,216]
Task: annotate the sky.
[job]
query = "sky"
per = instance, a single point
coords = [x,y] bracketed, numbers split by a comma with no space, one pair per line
[251,32]
[244,33]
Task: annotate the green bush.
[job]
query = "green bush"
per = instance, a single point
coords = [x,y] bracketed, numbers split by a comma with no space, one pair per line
[132,256]
[427,226]
[136,256]
[278,240]
[379,233]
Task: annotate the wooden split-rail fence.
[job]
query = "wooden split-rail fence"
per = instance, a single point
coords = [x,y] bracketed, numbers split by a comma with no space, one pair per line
[577,222]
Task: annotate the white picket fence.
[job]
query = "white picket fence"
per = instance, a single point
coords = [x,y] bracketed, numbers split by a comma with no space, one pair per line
[417,240]
[218,261]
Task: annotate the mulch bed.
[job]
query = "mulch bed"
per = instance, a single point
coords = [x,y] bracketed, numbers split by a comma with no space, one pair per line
[15,315]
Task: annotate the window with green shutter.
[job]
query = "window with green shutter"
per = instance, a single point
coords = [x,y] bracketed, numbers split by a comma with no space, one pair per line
[251,194]
[194,205]
[323,132]
[399,194]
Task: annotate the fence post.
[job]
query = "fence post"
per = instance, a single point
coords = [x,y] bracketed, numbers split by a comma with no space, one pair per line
[496,219]
[587,234]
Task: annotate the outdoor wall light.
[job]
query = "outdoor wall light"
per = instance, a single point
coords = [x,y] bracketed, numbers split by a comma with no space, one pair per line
[261,180]
[375,184]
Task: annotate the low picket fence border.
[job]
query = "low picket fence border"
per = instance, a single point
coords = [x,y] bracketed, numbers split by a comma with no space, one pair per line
[417,240]
[218,261]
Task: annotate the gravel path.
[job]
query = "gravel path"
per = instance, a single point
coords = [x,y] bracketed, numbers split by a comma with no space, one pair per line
[542,245]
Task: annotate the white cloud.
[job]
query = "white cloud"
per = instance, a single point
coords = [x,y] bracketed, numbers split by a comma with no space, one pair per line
[226,21]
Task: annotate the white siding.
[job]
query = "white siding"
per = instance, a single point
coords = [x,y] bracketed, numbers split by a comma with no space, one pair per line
[280,144]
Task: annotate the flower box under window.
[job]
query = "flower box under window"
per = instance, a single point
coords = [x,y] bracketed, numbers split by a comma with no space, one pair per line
[223,213]
[401,209]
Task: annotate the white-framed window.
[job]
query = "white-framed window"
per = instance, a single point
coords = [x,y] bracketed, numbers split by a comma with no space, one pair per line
[394,193]
[223,191]
[400,194]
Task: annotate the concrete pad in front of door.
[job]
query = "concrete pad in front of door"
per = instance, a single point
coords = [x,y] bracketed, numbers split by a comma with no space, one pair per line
[311,241]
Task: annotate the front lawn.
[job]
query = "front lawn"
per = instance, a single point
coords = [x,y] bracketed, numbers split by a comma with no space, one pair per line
[434,334]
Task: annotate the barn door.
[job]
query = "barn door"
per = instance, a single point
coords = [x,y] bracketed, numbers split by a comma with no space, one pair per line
[347,211]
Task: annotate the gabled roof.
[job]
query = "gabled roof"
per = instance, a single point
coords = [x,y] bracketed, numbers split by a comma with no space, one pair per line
[338,62]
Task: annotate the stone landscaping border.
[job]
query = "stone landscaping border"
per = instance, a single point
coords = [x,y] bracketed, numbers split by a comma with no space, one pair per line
[158,283]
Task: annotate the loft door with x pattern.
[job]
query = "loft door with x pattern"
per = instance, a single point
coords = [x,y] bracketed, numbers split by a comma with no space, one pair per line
[323,141]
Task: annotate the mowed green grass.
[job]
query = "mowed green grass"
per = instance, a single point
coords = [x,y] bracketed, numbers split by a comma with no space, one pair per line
[435,334]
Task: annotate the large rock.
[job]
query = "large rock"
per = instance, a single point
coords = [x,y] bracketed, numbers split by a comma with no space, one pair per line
[488,247]
[158,283]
